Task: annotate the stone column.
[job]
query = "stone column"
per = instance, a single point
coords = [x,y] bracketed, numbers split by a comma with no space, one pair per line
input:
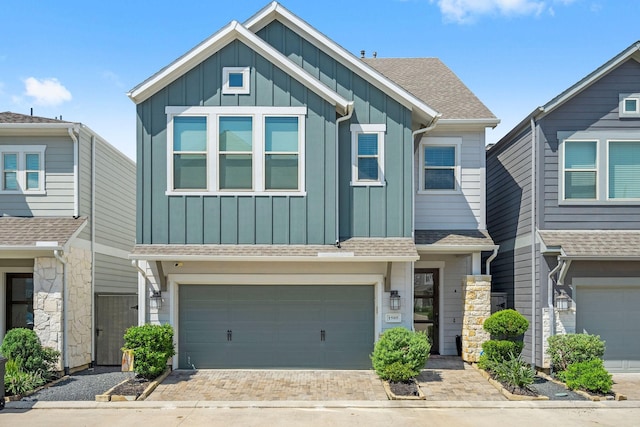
[476,293]
[79,307]
[47,302]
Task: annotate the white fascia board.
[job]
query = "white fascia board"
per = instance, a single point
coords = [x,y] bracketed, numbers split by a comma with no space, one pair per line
[455,249]
[492,123]
[234,31]
[222,258]
[275,10]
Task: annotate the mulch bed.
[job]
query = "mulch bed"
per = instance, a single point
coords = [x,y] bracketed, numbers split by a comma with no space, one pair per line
[409,388]
[132,387]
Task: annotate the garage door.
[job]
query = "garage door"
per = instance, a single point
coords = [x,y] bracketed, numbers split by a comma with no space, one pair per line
[614,314]
[288,326]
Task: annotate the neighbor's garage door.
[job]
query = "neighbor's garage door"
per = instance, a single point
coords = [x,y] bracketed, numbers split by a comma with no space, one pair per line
[614,314]
[275,326]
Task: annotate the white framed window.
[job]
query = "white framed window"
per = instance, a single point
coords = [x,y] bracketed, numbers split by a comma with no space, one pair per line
[22,169]
[623,170]
[236,80]
[629,105]
[236,150]
[440,165]
[367,154]
[580,170]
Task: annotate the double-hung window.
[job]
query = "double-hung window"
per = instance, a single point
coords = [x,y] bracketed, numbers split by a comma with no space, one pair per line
[237,150]
[580,170]
[624,170]
[367,148]
[22,169]
[440,170]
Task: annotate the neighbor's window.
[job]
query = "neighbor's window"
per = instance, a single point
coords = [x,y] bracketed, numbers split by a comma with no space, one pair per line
[281,153]
[580,170]
[22,169]
[624,169]
[367,142]
[235,80]
[235,139]
[439,167]
[189,153]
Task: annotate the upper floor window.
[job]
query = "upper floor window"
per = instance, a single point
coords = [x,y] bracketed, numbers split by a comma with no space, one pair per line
[580,170]
[624,170]
[22,169]
[440,164]
[235,80]
[367,158]
[247,150]
[629,105]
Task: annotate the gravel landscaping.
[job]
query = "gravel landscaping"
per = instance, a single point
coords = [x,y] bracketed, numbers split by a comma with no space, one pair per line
[554,391]
[83,385]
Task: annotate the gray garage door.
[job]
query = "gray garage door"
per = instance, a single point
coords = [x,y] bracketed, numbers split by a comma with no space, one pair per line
[250,326]
[614,314]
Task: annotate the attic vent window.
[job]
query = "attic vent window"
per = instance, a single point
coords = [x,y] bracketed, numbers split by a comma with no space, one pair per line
[235,80]
[630,105]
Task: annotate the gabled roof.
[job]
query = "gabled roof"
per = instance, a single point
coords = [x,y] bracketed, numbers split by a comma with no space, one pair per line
[593,244]
[434,83]
[9,117]
[233,31]
[275,11]
[38,232]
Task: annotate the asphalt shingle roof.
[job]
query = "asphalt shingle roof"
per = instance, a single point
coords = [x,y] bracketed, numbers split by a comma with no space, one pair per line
[595,243]
[453,238]
[435,84]
[9,117]
[358,247]
[27,231]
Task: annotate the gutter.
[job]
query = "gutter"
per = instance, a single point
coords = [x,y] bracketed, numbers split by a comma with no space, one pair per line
[340,120]
[487,268]
[93,249]
[73,133]
[65,296]
[533,238]
[322,257]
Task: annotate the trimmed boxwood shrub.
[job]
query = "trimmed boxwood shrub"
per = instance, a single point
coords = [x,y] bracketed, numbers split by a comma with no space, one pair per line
[506,325]
[400,354]
[152,346]
[23,347]
[499,350]
[565,350]
[589,375]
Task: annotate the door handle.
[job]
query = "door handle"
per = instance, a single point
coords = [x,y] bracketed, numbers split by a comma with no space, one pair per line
[323,335]
[229,335]
[98,330]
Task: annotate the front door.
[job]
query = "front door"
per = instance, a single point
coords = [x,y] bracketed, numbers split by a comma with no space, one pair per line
[425,304]
[19,307]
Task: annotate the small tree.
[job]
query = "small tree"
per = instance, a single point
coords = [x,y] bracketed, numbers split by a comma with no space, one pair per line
[400,354]
[152,346]
[506,327]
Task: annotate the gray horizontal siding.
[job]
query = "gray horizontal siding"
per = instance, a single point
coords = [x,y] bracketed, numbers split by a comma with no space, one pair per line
[595,109]
[58,200]
[114,275]
[84,181]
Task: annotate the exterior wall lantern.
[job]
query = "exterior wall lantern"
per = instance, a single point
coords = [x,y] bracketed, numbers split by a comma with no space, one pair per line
[155,301]
[563,302]
[394,300]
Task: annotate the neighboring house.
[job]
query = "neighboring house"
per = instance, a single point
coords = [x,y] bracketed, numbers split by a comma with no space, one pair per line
[67,224]
[564,203]
[277,203]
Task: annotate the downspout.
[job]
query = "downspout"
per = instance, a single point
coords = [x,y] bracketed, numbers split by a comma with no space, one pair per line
[533,241]
[65,296]
[93,249]
[142,293]
[487,266]
[430,127]
[338,122]
[73,133]
[550,292]
[563,271]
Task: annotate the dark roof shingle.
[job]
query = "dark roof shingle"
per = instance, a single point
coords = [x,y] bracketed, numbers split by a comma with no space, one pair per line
[453,238]
[9,117]
[28,231]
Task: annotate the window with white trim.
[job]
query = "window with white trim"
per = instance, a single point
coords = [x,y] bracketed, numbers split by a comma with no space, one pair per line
[243,150]
[235,80]
[367,154]
[623,170]
[629,105]
[440,164]
[580,170]
[22,169]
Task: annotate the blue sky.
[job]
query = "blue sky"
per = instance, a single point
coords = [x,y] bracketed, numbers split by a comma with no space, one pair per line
[77,59]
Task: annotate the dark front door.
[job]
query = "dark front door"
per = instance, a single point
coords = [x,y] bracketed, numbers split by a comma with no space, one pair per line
[19,300]
[425,304]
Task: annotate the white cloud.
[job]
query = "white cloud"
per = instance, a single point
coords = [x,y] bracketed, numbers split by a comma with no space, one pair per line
[465,11]
[46,92]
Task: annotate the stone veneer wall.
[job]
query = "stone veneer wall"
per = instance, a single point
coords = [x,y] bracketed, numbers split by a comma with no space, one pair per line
[47,302]
[476,293]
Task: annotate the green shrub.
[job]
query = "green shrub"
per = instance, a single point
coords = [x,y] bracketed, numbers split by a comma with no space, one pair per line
[589,375]
[18,382]
[565,350]
[513,371]
[23,346]
[506,325]
[499,350]
[152,345]
[400,353]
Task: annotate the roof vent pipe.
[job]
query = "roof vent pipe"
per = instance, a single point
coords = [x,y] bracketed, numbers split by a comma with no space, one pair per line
[362,52]
[375,55]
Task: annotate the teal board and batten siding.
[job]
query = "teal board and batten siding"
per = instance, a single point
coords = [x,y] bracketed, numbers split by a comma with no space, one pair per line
[364,211]
[58,163]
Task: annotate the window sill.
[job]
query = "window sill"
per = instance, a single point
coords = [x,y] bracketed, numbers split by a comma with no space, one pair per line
[26,193]
[367,184]
[236,193]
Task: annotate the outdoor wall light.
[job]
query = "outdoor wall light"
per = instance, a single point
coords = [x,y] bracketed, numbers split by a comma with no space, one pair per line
[563,302]
[155,301]
[394,301]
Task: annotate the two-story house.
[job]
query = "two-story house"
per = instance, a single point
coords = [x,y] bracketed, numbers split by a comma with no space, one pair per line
[564,204]
[67,225]
[294,201]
